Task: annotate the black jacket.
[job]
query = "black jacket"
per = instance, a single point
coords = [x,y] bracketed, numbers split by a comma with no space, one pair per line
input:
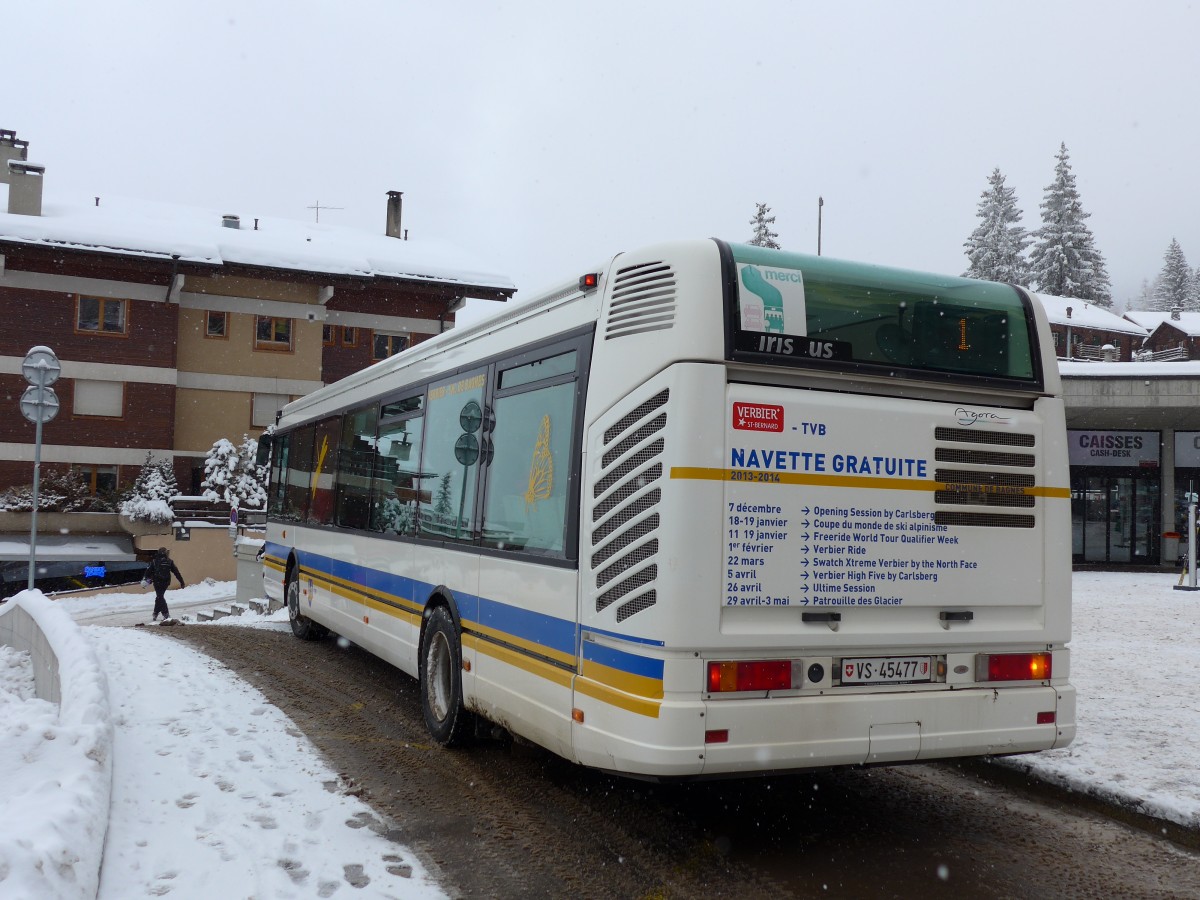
[161,569]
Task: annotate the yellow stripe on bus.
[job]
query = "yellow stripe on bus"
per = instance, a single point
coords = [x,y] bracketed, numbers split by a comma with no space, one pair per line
[539,667]
[626,682]
[613,697]
[701,473]
[522,643]
[377,600]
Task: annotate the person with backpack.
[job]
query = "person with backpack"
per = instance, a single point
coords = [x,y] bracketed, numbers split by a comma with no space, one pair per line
[159,573]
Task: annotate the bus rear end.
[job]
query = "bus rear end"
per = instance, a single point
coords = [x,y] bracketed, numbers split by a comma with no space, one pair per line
[838,536]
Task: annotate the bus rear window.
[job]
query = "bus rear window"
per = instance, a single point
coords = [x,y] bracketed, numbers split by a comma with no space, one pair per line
[795,309]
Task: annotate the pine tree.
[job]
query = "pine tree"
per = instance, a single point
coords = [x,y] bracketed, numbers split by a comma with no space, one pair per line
[1174,285]
[155,480]
[996,247]
[231,474]
[1065,261]
[763,235]
[1145,296]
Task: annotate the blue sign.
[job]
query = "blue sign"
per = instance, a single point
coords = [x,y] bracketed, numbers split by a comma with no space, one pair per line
[94,571]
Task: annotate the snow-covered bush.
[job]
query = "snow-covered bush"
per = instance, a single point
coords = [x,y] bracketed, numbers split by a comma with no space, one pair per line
[148,499]
[59,490]
[232,475]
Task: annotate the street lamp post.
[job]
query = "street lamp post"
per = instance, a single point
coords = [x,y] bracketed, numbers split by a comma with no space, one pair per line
[820,207]
[39,404]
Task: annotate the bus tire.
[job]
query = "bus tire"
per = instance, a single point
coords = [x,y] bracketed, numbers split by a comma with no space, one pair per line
[302,626]
[440,670]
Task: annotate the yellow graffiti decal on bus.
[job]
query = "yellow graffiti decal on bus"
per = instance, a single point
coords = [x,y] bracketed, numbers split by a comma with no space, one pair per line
[541,469]
[317,469]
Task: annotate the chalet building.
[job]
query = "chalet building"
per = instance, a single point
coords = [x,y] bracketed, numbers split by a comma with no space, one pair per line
[177,327]
[1173,335]
[1084,331]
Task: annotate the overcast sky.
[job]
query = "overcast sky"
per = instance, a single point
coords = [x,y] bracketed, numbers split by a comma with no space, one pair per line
[543,137]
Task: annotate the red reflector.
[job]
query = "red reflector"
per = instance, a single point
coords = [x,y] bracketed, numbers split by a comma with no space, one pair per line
[717,736]
[1015,667]
[1045,718]
[750,675]
[588,281]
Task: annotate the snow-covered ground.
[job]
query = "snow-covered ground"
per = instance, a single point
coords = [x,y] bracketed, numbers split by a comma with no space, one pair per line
[216,794]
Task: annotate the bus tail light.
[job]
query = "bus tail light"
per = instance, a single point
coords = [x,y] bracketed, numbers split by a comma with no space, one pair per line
[751,675]
[1012,667]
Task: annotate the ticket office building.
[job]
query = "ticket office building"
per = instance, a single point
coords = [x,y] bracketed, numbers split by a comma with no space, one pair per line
[1134,452]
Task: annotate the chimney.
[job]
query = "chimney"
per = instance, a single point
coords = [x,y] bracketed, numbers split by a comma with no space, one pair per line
[395,206]
[25,188]
[11,147]
[1175,311]
[230,221]
[24,179]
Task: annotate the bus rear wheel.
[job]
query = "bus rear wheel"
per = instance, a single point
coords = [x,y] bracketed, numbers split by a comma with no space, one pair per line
[302,626]
[440,671]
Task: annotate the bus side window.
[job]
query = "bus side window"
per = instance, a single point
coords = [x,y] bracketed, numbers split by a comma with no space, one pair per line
[449,468]
[279,457]
[324,464]
[356,462]
[526,503]
[298,475]
[398,487]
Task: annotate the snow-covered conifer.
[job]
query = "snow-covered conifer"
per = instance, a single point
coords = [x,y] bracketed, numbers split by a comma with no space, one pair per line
[1064,260]
[231,474]
[1173,289]
[762,222]
[996,247]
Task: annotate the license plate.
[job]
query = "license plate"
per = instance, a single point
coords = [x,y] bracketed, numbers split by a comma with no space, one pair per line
[887,670]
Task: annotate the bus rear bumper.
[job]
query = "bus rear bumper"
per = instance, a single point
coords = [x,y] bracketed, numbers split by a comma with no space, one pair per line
[746,737]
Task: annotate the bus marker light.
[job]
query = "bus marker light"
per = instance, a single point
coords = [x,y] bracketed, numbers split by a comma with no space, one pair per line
[750,675]
[589,281]
[1012,667]
[717,736]
[466,665]
[366,620]
[1045,718]
[577,715]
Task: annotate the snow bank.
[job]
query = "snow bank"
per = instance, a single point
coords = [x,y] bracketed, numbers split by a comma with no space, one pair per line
[55,761]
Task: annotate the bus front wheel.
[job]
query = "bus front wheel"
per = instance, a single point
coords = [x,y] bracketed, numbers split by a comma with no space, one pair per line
[441,681]
[302,626]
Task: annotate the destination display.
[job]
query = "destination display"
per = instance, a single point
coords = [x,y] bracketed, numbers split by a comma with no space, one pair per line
[819,514]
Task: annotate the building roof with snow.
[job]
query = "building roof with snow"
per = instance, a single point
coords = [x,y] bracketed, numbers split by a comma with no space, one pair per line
[1076,313]
[147,229]
[1152,319]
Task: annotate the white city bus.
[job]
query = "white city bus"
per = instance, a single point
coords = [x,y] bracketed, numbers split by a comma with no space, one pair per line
[713,509]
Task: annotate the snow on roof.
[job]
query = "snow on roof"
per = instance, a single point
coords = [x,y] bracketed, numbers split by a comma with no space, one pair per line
[1181,369]
[1086,315]
[1150,319]
[162,230]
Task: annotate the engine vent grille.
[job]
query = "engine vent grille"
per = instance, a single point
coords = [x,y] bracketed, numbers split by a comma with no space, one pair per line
[966,476]
[625,518]
[970,436]
[982,498]
[984,457]
[986,520]
[968,486]
[643,299]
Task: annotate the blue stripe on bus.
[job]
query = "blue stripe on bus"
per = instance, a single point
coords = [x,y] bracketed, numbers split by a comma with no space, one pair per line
[548,631]
[505,621]
[623,661]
